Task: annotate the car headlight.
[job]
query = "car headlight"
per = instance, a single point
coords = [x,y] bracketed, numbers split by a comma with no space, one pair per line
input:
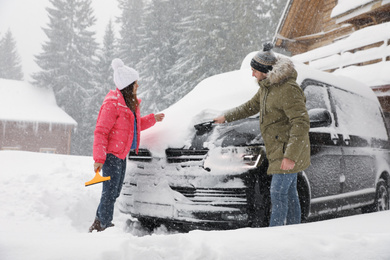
[253,156]
[234,159]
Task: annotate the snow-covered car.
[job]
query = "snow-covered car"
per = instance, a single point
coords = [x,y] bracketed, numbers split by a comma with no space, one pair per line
[214,176]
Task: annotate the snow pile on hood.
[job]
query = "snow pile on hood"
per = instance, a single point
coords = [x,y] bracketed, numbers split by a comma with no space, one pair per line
[206,101]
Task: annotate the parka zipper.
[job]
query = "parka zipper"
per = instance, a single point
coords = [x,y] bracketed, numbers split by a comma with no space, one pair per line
[263,104]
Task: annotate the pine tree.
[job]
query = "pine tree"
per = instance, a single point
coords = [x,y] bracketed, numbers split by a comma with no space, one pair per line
[10,62]
[184,42]
[131,21]
[161,18]
[217,35]
[104,76]
[193,49]
[105,56]
[68,63]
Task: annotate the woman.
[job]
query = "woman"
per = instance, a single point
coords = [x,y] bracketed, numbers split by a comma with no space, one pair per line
[117,131]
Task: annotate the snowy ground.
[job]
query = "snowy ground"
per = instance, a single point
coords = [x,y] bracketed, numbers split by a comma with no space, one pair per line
[46,211]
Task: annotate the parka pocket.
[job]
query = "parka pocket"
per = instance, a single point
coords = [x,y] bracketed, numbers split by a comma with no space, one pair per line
[276,151]
[276,146]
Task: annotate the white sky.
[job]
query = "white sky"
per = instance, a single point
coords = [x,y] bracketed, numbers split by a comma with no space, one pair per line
[26,18]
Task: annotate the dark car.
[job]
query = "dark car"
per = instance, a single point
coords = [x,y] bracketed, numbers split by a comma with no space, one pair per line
[218,180]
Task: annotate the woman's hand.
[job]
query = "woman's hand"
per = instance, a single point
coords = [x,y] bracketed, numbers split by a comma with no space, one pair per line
[97,166]
[159,117]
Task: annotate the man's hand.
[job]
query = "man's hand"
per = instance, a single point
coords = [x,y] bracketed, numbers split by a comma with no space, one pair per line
[159,117]
[287,164]
[219,120]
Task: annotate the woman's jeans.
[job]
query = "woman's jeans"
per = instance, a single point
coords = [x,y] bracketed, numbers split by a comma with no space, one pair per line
[116,169]
[285,200]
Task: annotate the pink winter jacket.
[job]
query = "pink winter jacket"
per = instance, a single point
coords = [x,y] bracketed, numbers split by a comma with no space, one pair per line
[115,127]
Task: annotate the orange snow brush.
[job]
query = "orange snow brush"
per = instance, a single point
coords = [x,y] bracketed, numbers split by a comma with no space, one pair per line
[97,179]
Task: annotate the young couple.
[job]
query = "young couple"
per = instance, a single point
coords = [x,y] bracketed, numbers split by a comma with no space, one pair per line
[284,124]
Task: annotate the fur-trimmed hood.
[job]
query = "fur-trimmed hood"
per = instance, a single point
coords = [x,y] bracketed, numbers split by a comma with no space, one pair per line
[282,70]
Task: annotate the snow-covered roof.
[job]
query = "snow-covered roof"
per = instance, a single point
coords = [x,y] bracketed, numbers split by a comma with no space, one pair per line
[344,6]
[341,55]
[353,8]
[21,101]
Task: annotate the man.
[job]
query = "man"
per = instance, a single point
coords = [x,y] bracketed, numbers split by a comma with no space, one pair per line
[284,124]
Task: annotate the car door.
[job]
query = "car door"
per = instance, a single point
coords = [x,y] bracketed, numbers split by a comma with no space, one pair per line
[361,124]
[325,169]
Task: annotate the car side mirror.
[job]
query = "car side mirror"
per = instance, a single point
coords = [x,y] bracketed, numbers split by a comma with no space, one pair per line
[319,117]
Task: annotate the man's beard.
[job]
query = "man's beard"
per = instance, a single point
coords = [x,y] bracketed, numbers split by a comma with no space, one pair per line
[258,81]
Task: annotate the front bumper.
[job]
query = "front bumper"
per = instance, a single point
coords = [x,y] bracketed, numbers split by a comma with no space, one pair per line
[196,197]
[184,189]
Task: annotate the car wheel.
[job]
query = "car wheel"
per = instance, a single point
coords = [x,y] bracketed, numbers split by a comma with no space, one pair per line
[304,198]
[381,199]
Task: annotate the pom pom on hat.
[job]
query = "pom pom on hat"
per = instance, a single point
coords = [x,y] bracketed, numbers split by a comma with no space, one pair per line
[116,63]
[123,75]
[265,59]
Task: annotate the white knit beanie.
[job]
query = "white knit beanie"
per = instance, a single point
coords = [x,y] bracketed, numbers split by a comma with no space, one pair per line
[123,75]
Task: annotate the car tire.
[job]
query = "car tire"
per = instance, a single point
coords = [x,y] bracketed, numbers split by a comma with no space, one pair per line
[304,197]
[381,198]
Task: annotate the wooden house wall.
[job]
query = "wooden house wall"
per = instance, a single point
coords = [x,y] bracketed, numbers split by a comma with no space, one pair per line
[309,25]
[35,137]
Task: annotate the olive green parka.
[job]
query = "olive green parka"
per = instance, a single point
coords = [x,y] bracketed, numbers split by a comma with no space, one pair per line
[284,121]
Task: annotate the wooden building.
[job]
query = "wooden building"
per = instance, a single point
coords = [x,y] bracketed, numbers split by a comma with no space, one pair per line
[308,24]
[30,119]
[347,37]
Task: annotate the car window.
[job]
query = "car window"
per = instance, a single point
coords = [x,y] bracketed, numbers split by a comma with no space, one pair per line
[316,97]
[358,115]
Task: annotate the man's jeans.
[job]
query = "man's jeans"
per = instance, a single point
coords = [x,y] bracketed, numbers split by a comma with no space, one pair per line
[116,169]
[285,200]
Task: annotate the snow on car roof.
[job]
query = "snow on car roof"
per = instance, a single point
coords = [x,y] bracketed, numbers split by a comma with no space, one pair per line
[216,94]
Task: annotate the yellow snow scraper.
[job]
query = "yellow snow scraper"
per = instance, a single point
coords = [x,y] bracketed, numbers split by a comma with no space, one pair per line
[97,179]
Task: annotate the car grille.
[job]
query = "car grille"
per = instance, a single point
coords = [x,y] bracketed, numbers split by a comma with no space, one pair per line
[224,197]
[172,155]
[143,156]
[185,155]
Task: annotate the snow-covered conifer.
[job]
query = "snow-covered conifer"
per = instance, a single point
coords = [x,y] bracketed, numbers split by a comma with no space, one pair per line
[10,62]
[68,62]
